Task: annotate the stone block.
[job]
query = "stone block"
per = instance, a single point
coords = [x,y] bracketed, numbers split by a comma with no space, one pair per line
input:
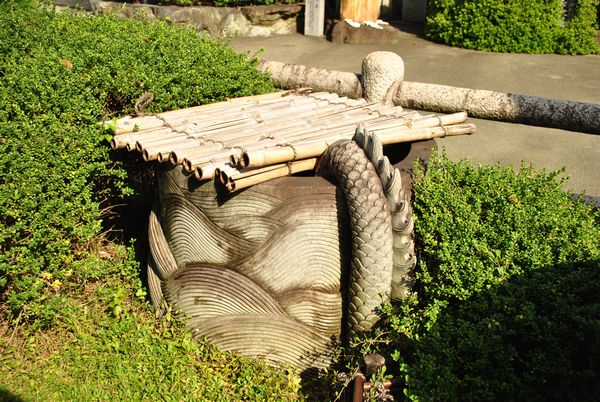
[314,17]
[236,24]
[270,14]
[78,4]
[344,33]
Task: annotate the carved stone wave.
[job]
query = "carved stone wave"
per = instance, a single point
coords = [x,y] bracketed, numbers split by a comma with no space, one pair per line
[274,270]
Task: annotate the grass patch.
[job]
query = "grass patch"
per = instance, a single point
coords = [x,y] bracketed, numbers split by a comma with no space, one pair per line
[108,345]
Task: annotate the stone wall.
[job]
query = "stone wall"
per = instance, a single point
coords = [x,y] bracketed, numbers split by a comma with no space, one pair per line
[275,19]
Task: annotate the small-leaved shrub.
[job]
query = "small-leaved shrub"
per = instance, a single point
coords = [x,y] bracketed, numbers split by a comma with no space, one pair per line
[537,26]
[507,298]
[536,337]
[61,74]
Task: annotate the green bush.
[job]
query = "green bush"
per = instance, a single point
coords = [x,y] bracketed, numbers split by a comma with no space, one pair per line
[507,302]
[536,337]
[537,26]
[60,75]
[479,226]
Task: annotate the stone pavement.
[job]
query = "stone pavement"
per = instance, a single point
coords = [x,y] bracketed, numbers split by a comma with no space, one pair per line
[574,78]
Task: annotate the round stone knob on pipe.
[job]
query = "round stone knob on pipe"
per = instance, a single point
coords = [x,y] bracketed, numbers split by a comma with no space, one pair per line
[380,70]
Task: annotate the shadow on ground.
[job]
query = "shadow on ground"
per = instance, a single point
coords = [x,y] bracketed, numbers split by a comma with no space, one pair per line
[410,28]
[7,396]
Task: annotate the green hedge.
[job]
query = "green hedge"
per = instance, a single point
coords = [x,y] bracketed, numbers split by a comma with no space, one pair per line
[536,26]
[60,75]
[507,302]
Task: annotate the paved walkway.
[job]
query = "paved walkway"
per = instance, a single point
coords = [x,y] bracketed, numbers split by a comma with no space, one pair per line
[561,77]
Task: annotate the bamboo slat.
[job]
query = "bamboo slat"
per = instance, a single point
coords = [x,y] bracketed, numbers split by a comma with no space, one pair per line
[228,175]
[245,141]
[286,153]
[286,169]
[122,141]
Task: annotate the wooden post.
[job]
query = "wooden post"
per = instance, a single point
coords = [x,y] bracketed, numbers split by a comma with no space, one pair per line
[360,10]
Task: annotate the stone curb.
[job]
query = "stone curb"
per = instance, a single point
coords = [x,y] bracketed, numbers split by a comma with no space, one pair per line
[262,21]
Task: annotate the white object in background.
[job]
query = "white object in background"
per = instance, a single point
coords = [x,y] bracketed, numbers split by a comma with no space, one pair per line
[372,24]
[353,24]
[314,17]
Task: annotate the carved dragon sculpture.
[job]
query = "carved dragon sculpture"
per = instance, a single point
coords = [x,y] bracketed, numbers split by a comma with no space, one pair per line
[280,269]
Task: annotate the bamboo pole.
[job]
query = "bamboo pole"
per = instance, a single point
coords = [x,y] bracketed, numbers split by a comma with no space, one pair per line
[312,134]
[286,153]
[252,121]
[391,136]
[225,172]
[154,137]
[221,126]
[442,120]
[329,133]
[283,170]
[132,124]
[298,131]
[191,163]
[257,126]
[321,133]
[142,144]
[270,156]
[207,171]
[284,106]
[167,139]
[270,130]
[206,151]
[151,153]
[178,157]
[227,176]
[121,140]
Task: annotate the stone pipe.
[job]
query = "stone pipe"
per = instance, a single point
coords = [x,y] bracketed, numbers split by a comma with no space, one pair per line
[297,76]
[484,104]
[491,105]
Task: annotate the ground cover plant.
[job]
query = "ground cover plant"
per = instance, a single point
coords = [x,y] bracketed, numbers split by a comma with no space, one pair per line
[75,323]
[108,345]
[61,75]
[539,26]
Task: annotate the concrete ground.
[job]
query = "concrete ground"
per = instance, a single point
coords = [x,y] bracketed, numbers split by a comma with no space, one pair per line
[553,76]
